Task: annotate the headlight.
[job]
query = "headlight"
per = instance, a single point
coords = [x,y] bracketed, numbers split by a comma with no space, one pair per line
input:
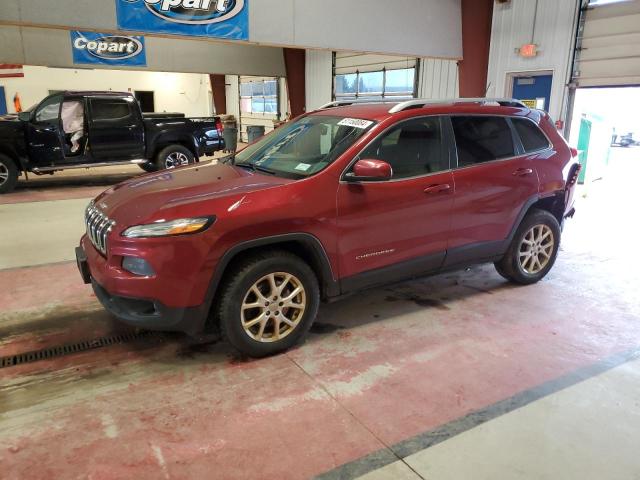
[182,226]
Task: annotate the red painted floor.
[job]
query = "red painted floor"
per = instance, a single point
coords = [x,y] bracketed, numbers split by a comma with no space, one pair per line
[379,368]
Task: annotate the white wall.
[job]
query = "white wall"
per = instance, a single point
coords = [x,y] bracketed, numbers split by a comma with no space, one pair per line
[188,93]
[319,74]
[554,34]
[438,79]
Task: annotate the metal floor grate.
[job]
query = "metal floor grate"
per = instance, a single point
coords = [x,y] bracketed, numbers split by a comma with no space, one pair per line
[71,348]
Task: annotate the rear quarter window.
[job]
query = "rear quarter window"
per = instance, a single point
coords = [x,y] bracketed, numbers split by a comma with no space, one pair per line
[530,135]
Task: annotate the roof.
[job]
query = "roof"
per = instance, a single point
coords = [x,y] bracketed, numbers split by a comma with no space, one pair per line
[380,110]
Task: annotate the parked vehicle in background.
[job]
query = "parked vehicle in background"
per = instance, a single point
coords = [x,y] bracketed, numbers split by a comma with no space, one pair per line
[91,129]
[624,141]
[344,198]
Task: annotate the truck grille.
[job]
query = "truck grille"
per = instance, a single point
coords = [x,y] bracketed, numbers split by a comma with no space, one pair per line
[98,227]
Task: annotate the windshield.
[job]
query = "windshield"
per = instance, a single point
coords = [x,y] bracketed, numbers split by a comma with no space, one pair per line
[304,147]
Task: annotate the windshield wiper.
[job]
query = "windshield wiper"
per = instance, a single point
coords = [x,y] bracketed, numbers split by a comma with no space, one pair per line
[256,168]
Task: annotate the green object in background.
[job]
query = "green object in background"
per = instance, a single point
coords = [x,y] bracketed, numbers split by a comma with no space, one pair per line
[583,147]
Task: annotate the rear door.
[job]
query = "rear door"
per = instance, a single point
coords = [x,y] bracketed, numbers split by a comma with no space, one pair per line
[115,129]
[493,180]
[392,229]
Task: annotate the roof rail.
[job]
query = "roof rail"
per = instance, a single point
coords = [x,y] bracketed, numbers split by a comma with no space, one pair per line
[417,103]
[344,103]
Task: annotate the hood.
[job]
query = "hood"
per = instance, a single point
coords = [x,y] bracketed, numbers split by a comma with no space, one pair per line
[10,122]
[184,192]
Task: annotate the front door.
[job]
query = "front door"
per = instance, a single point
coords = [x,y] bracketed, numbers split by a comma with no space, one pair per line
[392,229]
[116,129]
[44,134]
[534,91]
[494,181]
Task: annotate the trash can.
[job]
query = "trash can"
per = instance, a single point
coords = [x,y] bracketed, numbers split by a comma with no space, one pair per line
[254,132]
[230,136]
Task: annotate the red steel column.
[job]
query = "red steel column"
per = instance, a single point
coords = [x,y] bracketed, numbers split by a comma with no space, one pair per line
[295,62]
[477,18]
[218,87]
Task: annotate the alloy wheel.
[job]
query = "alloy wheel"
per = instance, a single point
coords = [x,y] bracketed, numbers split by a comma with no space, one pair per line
[176,159]
[273,307]
[4,173]
[536,249]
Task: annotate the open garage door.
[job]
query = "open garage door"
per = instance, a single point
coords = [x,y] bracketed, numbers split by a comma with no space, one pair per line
[609,54]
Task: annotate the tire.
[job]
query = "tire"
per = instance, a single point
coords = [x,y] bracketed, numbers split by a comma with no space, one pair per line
[242,328]
[8,174]
[148,167]
[174,156]
[539,232]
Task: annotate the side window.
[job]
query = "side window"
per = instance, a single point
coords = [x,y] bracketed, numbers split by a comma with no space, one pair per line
[109,110]
[412,148]
[49,110]
[530,135]
[482,139]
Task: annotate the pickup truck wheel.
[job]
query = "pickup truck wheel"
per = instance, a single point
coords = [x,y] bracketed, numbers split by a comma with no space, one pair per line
[174,156]
[8,174]
[268,303]
[533,250]
[149,167]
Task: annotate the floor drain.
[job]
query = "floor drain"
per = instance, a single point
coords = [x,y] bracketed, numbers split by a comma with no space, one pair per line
[71,348]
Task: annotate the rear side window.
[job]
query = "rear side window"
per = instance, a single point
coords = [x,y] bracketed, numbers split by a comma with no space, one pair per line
[108,109]
[530,135]
[482,139]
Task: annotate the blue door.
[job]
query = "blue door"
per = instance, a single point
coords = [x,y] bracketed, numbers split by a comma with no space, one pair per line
[3,102]
[534,91]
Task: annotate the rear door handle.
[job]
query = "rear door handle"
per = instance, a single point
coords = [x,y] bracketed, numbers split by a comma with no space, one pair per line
[439,188]
[522,172]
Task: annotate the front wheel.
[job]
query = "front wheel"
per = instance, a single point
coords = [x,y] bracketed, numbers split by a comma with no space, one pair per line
[174,156]
[8,174]
[268,303]
[533,250]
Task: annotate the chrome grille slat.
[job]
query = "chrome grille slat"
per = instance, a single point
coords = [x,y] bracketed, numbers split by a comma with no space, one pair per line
[98,227]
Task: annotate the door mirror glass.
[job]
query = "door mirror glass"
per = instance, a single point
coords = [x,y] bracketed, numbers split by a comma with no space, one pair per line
[24,116]
[369,170]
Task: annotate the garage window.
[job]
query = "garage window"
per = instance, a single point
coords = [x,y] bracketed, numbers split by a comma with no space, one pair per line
[398,84]
[259,97]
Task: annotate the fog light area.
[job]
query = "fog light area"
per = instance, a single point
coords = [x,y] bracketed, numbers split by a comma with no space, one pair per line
[137,266]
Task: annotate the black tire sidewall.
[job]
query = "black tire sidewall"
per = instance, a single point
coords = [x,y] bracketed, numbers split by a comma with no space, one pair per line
[515,270]
[166,151]
[149,167]
[230,321]
[12,180]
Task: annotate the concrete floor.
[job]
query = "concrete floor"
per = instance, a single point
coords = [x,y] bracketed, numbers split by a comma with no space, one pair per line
[456,376]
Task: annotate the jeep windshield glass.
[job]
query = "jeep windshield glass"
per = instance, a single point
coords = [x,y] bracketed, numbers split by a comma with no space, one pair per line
[303,147]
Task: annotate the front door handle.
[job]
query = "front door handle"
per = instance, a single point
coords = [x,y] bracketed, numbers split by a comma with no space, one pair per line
[523,172]
[439,188]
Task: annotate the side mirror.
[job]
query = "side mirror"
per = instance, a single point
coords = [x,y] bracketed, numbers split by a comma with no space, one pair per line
[24,116]
[369,170]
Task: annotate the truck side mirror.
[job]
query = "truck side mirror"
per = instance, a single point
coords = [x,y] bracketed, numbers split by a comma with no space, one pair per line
[24,116]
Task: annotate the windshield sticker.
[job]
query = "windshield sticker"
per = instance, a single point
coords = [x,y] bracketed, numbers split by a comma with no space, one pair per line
[355,123]
[303,167]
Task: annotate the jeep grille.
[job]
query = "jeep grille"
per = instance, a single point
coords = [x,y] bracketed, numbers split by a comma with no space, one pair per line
[98,227]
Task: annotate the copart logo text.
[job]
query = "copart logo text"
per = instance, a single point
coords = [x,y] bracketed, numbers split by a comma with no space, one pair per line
[112,47]
[195,12]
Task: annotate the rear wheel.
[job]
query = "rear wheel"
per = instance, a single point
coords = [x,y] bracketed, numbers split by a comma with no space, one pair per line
[268,303]
[8,174]
[533,250]
[174,156]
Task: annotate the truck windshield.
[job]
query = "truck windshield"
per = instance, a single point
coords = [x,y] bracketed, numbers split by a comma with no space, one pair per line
[304,147]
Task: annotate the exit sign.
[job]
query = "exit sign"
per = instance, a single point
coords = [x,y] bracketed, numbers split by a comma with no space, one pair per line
[529,50]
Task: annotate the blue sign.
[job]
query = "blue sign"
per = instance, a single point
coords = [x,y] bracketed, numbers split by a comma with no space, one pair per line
[202,18]
[108,49]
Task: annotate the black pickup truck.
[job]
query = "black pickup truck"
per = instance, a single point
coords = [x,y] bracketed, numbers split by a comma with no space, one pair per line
[92,129]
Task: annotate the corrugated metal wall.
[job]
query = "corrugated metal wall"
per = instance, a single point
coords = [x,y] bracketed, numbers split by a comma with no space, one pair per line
[610,53]
[438,79]
[319,78]
[513,26]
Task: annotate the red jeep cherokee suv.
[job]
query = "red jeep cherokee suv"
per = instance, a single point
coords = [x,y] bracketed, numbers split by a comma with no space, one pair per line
[344,198]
